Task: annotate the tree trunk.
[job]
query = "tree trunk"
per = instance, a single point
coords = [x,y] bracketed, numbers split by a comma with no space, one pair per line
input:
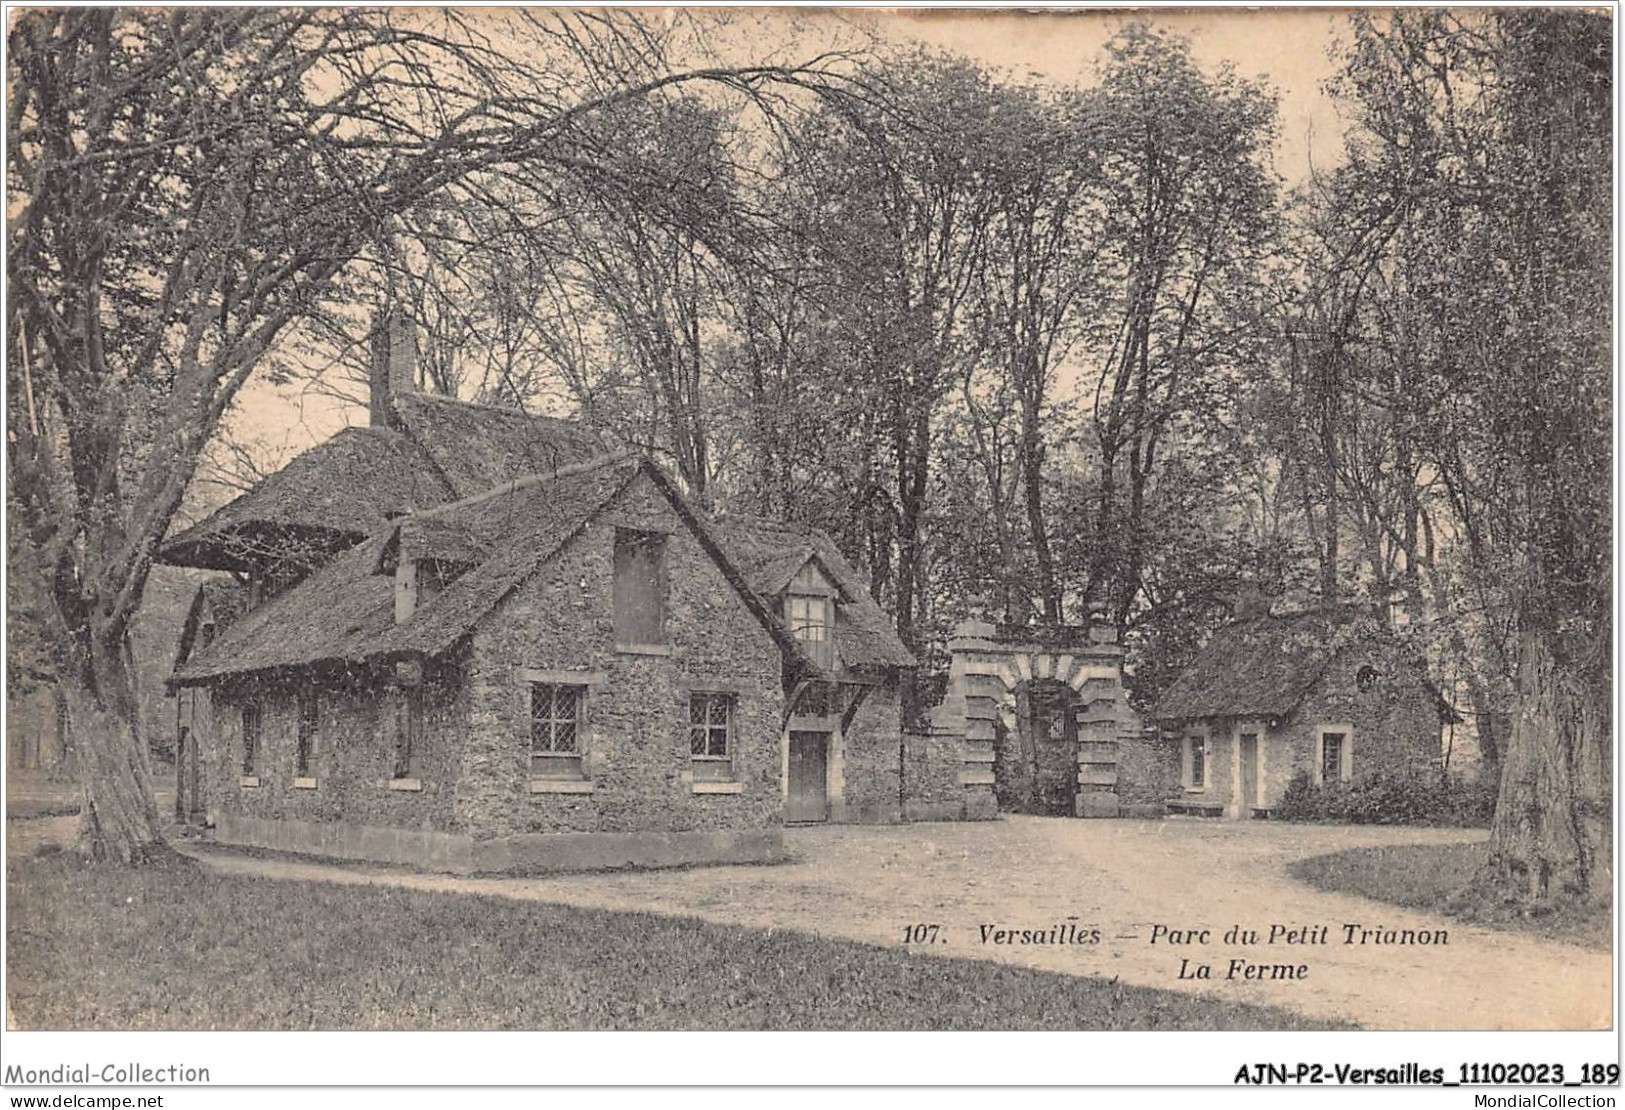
[1552,839]
[119,818]
[1032,480]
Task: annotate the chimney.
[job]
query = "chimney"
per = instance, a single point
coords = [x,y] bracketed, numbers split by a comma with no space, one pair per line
[378,372]
[403,353]
[392,363]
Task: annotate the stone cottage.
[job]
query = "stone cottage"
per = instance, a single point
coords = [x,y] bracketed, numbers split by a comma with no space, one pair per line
[1329,694]
[470,639]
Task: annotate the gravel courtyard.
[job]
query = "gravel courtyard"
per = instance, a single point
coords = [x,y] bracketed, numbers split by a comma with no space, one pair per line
[1123,878]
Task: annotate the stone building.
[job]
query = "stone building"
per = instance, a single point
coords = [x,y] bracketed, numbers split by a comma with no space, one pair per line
[1327,694]
[469,639]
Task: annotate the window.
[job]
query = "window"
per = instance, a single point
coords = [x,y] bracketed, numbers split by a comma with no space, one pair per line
[810,624]
[640,588]
[1195,761]
[1335,758]
[251,738]
[710,724]
[305,741]
[555,730]
[710,736]
[408,732]
[1366,679]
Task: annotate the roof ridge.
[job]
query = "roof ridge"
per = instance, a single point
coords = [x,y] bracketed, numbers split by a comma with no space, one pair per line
[525,481]
[755,518]
[444,399]
[365,429]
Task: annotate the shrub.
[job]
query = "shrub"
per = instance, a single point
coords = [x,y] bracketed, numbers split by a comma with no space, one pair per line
[1389,799]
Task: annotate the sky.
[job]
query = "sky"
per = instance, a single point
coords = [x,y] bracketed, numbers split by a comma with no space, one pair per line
[1286,48]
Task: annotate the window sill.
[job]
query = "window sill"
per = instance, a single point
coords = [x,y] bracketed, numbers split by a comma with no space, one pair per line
[718,787]
[406,784]
[643,649]
[249,782]
[560,786]
[304,784]
[1196,790]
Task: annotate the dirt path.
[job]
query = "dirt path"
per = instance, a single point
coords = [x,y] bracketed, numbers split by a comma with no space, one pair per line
[1124,877]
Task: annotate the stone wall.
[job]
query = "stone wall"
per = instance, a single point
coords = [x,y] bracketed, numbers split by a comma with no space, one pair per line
[524,854]
[934,763]
[1147,771]
[636,753]
[1396,723]
[870,756]
[352,758]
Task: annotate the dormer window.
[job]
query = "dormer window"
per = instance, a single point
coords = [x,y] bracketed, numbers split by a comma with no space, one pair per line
[809,610]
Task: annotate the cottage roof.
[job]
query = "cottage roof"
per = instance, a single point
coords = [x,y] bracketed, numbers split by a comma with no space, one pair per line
[342,487]
[477,447]
[217,602]
[505,537]
[344,613]
[770,552]
[1263,666]
[335,615]
[441,449]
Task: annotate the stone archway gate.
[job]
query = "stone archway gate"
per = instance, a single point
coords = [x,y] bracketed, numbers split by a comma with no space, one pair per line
[989,662]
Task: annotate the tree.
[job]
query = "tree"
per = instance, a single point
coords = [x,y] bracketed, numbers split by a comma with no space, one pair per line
[1045,183]
[189,186]
[903,235]
[1479,174]
[1187,210]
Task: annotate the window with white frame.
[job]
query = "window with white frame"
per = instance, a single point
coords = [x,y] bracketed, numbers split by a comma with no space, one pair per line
[810,620]
[1334,754]
[710,735]
[555,730]
[1195,761]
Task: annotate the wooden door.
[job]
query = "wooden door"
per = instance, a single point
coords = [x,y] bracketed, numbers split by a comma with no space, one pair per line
[1249,774]
[809,777]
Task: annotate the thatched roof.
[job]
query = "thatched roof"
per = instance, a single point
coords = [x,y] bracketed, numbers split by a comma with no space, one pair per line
[507,538]
[440,449]
[341,488]
[216,602]
[477,446]
[344,613]
[1263,666]
[335,615]
[770,552]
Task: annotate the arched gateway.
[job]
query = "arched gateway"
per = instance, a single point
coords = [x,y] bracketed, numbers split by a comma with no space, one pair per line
[1038,710]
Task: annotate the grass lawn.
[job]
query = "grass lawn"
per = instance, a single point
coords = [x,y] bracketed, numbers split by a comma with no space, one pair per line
[1440,878]
[95,947]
